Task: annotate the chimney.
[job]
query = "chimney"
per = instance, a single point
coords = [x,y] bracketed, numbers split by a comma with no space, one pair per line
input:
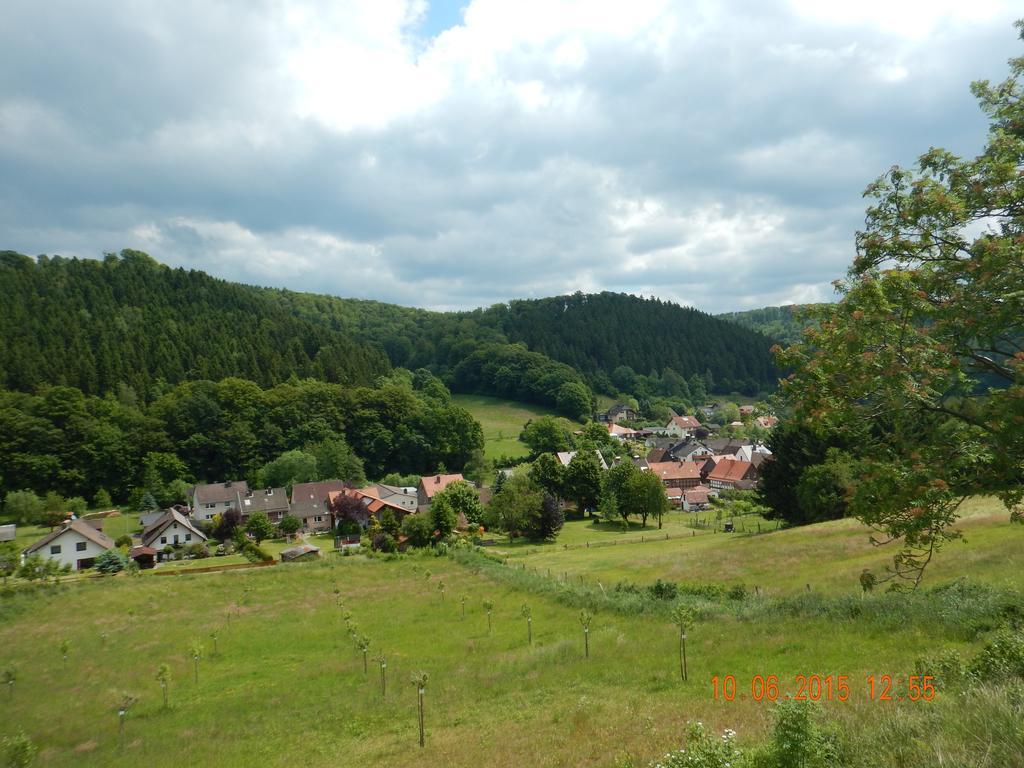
[227,484]
[437,480]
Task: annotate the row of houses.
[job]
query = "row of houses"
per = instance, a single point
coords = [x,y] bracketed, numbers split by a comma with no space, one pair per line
[79,541]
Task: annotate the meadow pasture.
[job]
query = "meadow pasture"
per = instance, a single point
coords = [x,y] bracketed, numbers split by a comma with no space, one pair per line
[287,685]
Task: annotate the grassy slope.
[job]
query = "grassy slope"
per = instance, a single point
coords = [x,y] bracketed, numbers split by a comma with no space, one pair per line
[288,686]
[502,421]
[829,556]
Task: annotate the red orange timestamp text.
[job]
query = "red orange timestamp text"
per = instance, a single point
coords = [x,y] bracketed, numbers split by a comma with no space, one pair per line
[826,688]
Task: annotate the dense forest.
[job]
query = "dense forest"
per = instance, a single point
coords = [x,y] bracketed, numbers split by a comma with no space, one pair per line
[73,443]
[782,324]
[592,333]
[128,321]
[133,327]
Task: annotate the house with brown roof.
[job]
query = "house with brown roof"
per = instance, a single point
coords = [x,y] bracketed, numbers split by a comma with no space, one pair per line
[731,473]
[272,501]
[76,544]
[311,503]
[215,498]
[681,426]
[432,485]
[766,422]
[677,474]
[173,529]
[697,499]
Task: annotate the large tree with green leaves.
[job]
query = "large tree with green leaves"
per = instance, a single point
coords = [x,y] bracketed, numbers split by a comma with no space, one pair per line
[582,481]
[924,354]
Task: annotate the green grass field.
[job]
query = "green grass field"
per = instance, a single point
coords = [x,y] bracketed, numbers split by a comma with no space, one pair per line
[287,685]
[502,421]
[829,556]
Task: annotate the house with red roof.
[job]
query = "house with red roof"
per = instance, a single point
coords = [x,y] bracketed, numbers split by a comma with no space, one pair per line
[732,473]
[676,474]
[432,485]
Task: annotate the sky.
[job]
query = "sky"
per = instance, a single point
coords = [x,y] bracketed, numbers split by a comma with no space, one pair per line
[459,154]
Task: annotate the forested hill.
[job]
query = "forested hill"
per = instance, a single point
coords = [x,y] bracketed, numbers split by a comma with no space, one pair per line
[128,320]
[783,324]
[594,334]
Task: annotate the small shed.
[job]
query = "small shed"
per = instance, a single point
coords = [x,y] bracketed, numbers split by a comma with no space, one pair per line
[300,553]
[144,556]
[7,532]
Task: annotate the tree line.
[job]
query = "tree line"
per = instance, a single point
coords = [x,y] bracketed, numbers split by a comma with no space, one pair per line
[75,444]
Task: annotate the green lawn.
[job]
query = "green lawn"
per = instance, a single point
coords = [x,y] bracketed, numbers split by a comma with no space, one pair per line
[502,421]
[829,556]
[287,685]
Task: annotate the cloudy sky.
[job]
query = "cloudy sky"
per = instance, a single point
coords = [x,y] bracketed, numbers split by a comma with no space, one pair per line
[460,153]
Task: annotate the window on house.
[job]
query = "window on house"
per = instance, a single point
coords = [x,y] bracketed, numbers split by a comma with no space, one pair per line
[55,549]
[211,505]
[188,537]
[318,519]
[163,539]
[80,546]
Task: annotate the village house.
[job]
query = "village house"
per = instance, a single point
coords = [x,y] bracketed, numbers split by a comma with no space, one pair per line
[677,474]
[565,458]
[681,426]
[215,498]
[77,544]
[697,499]
[732,473]
[766,422]
[372,505]
[623,433]
[311,503]
[172,529]
[402,496]
[618,414]
[431,486]
[272,501]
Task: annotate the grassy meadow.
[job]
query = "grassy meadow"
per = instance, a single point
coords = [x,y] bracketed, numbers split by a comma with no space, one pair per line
[287,685]
[502,421]
[828,556]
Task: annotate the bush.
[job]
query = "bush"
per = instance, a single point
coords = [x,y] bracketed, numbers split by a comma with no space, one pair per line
[256,554]
[111,562]
[947,668]
[123,541]
[703,751]
[737,592]
[797,740]
[663,590]
[383,542]
[1002,658]
[198,550]
[419,530]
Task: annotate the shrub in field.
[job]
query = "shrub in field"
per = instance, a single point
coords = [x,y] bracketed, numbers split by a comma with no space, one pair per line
[703,750]
[663,590]
[124,540]
[19,751]
[947,668]
[798,741]
[383,542]
[1002,658]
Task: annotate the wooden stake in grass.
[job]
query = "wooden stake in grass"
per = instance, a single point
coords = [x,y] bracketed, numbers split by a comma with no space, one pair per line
[528,615]
[463,600]
[213,636]
[195,650]
[122,713]
[419,679]
[9,678]
[163,676]
[440,588]
[585,619]
[383,676]
[488,606]
[364,645]
[65,646]
[683,617]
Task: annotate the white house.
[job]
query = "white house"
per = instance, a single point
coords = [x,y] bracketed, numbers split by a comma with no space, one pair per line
[681,426]
[77,544]
[172,529]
